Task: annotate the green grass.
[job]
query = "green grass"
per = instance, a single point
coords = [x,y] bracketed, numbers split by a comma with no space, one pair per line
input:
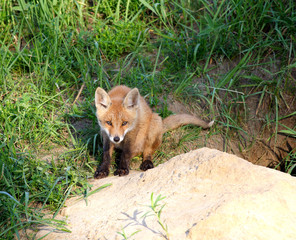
[54,54]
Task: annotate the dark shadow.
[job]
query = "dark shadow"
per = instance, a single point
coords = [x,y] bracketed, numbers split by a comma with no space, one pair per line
[137,220]
[281,154]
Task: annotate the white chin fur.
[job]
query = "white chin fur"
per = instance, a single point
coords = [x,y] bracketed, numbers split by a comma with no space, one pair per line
[111,138]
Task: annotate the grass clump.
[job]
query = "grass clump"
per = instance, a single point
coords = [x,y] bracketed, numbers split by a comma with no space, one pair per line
[31,185]
[119,38]
[221,29]
[30,120]
[157,210]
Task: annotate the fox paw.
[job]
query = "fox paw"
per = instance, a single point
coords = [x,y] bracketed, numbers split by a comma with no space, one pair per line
[147,164]
[121,172]
[101,173]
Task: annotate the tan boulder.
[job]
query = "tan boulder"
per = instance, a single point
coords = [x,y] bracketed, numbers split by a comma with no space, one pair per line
[209,195]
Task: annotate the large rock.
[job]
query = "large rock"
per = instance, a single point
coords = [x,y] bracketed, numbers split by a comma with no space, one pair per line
[209,195]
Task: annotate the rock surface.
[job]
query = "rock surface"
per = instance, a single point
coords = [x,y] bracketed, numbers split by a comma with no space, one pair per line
[209,195]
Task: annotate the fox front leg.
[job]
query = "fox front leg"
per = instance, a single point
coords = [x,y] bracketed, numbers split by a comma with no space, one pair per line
[154,140]
[103,170]
[123,164]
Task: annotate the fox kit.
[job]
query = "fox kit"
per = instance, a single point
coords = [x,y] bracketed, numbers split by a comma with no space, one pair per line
[128,124]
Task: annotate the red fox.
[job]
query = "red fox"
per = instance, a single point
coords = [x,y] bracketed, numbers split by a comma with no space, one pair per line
[128,124]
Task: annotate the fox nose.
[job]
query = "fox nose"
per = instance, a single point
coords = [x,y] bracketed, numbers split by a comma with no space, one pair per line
[116,139]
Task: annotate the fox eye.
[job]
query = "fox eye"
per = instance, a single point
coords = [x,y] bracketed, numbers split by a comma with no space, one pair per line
[109,123]
[124,123]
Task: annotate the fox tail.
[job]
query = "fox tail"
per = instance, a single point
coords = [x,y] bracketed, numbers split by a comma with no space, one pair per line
[175,121]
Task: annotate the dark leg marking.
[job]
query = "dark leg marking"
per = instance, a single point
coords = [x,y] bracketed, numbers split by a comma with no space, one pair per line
[147,164]
[123,164]
[103,170]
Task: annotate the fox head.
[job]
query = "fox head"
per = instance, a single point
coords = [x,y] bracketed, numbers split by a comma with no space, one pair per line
[116,114]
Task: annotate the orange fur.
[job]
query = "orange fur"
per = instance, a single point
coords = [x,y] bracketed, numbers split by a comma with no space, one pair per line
[128,123]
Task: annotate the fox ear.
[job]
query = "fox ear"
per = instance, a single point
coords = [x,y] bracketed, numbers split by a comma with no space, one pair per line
[131,100]
[102,99]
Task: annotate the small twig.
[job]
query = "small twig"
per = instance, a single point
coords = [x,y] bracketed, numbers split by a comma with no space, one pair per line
[79,93]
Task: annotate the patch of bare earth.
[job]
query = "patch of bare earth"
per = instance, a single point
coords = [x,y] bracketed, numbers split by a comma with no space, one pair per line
[261,143]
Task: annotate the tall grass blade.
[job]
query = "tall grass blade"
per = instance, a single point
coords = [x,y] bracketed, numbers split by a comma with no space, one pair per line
[237,69]
[147,5]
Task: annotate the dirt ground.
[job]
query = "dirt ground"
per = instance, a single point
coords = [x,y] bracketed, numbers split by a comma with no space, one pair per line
[260,146]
